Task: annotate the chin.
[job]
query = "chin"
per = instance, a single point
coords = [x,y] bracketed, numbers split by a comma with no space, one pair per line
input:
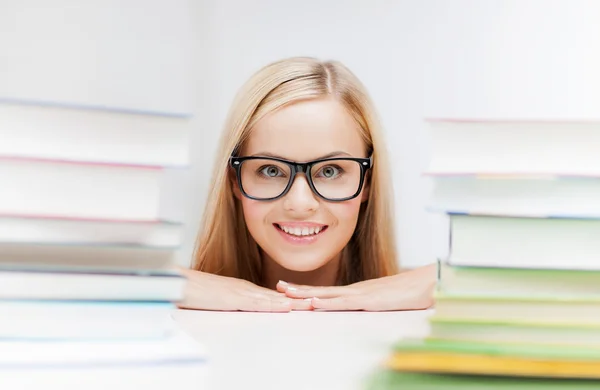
[299,262]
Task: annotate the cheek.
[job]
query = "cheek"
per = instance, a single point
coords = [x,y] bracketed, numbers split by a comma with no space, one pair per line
[255,213]
[346,213]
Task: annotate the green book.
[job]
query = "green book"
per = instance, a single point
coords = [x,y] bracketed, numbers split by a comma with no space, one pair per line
[391,380]
[515,332]
[566,310]
[497,349]
[518,282]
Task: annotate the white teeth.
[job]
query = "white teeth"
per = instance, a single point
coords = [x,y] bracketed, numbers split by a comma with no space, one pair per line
[298,231]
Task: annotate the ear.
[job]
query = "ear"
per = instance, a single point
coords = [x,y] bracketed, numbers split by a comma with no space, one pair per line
[366,187]
[235,188]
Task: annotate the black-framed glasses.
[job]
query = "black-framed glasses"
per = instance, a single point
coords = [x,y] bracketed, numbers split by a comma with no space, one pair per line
[333,179]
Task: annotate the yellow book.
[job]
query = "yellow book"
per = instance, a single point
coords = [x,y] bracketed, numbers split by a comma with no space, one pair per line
[524,361]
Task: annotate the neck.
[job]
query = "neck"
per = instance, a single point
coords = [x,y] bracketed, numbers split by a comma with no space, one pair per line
[327,275]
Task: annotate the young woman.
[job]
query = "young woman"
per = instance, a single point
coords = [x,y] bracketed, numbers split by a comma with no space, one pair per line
[299,215]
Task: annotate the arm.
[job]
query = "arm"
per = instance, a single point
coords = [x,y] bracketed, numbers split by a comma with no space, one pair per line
[408,290]
[212,292]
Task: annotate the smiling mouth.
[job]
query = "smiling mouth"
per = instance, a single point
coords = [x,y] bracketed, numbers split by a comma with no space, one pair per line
[301,231]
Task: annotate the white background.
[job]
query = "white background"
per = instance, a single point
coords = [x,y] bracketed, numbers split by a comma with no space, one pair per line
[534,59]
[457,58]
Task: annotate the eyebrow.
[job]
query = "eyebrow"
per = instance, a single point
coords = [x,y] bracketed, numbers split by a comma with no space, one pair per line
[338,153]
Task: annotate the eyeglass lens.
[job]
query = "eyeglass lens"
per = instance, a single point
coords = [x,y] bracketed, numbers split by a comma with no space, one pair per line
[333,179]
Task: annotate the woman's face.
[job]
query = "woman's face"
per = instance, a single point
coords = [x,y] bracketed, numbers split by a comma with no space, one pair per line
[301,231]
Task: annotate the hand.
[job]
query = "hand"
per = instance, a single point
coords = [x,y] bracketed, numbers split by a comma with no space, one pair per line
[409,290]
[212,292]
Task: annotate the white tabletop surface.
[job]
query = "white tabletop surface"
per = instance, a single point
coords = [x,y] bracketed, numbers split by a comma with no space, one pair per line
[297,350]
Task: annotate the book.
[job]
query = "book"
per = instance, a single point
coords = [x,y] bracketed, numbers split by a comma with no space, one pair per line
[515,331]
[518,242]
[54,230]
[515,195]
[489,359]
[532,351]
[80,257]
[88,133]
[179,375]
[132,65]
[514,147]
[93,136]
[557,309]
[456,363]
[518,282]
[84,320]
[447,364]
[395,380]
[65,283]
[176,360]
[177,347]
[79,190]
[517,302]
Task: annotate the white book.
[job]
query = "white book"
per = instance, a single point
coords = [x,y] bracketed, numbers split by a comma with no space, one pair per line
[106,54]
[86,257]
[180,376]
[56,283]
[507,242]
[84,320]
[176,347]
[95,191]
[513,147]
[177,361]
[93,136]
[544,196]
[53,230]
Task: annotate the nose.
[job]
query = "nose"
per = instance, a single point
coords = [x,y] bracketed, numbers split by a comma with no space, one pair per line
[300,198]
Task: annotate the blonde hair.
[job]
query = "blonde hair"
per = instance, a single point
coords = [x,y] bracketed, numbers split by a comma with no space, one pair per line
[224,245]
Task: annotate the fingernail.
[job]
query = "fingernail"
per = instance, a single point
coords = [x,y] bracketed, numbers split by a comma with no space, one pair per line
[308,299]
[292,288]
[283,283]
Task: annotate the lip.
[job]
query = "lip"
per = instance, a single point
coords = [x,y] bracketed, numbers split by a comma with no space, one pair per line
[297,240]
[301,224]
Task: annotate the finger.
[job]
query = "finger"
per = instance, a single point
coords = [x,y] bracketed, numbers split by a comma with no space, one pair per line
[265,304]
[319,292]
[302,304]
[282,286]
[265,291]
[258,294]
[351,302]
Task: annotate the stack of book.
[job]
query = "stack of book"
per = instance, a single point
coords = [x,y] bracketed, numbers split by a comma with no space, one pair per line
[87,264]
[518,302]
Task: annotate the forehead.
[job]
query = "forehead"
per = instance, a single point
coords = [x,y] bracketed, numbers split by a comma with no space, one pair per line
[306,130]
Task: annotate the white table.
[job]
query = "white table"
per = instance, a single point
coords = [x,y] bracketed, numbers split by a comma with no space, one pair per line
[298,350]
